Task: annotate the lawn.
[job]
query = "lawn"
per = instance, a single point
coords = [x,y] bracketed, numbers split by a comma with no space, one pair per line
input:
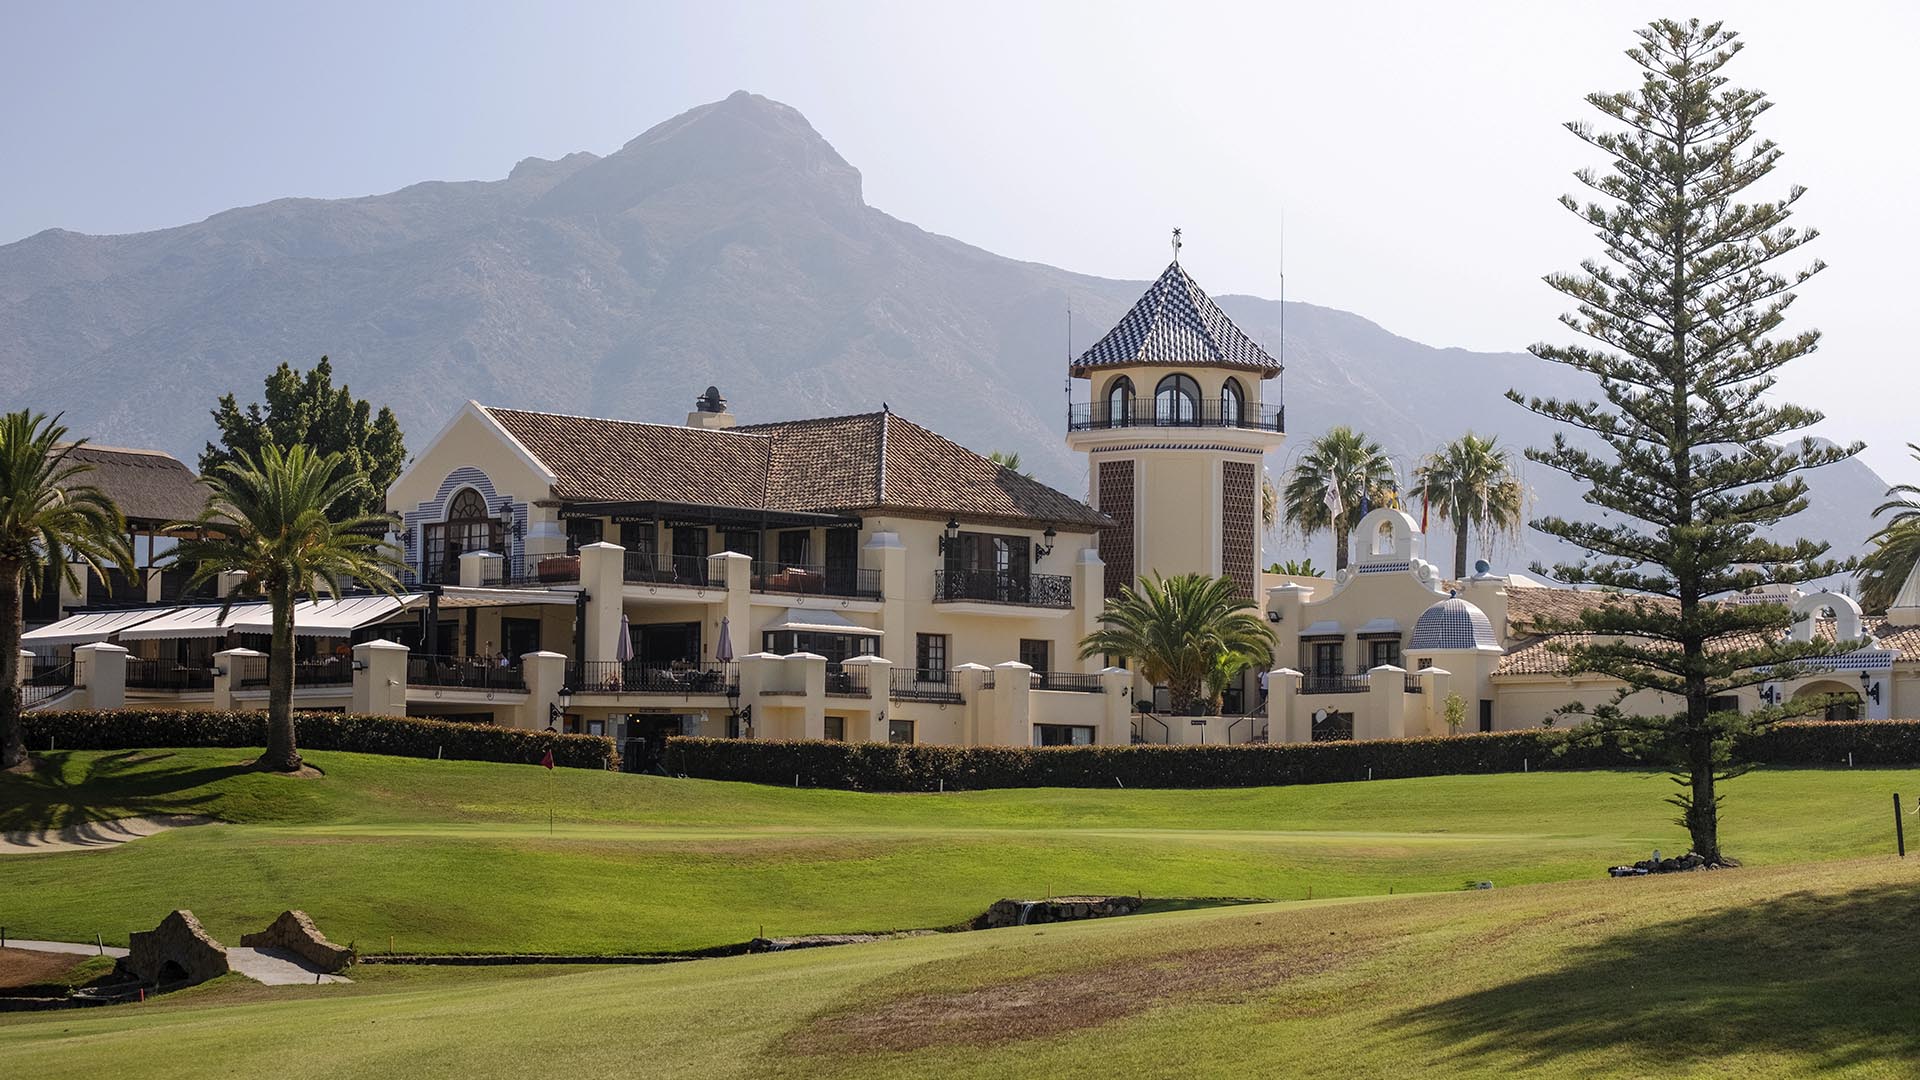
[1756,973]
[457,856]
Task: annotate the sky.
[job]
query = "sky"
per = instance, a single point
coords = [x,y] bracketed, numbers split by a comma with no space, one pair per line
[1410,154]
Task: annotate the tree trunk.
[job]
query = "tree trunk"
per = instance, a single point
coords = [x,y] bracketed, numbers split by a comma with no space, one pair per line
[13,738]
[1703,816]
[281,755]
[1339,546]
[1459,550]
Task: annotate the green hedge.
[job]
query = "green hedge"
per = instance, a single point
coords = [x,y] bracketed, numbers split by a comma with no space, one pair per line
[893,767]
[400,736]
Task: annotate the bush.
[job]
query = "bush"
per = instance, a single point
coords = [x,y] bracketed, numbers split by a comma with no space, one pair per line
[398,736]
[1829,742]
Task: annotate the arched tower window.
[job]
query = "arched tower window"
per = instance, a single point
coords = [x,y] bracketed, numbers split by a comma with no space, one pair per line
[1176,400]
[1120,402]
[468,528]
[1232,404]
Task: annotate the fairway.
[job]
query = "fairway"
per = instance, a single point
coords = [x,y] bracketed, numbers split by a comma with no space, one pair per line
[439,856]
[1776,972]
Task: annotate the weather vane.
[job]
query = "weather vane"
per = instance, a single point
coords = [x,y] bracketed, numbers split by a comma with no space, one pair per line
[1176,245]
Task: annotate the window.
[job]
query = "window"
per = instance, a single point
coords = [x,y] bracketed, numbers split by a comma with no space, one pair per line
[1036,654]
[837,729]
[468,528]
[1119,402]
[741,542]
[1724,703]
[1232,403]
[690,554]
[930,657]
[1176,400]
[1062,735]
[637,536]
[900,731]
[796,547]
[583,531]
[1324,659]
[1384,651]
[1486,714]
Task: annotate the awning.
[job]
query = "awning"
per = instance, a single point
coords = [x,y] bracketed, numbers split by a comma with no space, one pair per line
[1379,626]
[320,618]
[89,627]
[820,622]
[1324,628]
[186,622]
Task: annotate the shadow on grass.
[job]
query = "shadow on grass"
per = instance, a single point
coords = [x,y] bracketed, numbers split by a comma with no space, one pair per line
[1830,976]
[130,783]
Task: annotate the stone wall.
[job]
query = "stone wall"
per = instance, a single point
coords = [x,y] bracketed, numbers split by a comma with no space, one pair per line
[176,950]
[294,932]
[1056,909]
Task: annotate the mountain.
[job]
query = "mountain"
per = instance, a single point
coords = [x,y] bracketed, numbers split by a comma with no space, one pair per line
[729,245]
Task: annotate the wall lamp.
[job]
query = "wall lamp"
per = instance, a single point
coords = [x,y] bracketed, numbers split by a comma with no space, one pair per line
[951,537]
[563,698]
[1273,616]
[1869,688]
[1045,548]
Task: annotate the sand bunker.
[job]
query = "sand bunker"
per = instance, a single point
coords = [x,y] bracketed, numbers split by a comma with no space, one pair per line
[93,835]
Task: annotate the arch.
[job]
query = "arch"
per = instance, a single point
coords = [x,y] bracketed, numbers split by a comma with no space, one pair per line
[1387,535]
[1176,401]
[1120,402]
[1233,403]
[469,525]
[1847,704]
[467,505]
[1846,615]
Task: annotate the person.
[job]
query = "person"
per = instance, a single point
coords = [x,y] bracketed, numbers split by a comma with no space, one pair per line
[1263,686]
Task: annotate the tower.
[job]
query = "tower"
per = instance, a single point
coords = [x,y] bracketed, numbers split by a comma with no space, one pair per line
[1176,423]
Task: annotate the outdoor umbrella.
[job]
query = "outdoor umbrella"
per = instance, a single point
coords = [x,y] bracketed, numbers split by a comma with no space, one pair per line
[623,649]
[723,649]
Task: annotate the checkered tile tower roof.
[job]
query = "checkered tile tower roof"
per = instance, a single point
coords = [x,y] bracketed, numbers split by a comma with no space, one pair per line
[1453,624]
[1176,323]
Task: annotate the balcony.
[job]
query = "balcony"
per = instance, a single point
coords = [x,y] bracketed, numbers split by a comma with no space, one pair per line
[463,673]
[652,568]
[932,685]
[166,675]
[1097,416]
[842,681]
[1066,680]
[799,580]
[1003,587]
[251,673]
[638,677]
[1324,683]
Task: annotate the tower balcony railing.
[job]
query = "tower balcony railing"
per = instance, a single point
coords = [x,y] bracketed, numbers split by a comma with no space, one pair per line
[1099,415]
[1003,587]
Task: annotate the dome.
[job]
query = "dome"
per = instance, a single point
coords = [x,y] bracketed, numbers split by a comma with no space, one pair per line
[1452,624]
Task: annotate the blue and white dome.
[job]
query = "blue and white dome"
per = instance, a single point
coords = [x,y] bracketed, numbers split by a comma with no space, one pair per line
[1453,624]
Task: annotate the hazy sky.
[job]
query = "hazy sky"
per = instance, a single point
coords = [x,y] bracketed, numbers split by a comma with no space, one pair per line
[1415,147]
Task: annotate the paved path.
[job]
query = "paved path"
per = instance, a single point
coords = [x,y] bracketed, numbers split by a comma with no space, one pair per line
[274,967]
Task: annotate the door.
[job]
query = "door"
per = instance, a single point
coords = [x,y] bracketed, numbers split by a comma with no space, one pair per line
[843,561]
[667,643]
[518,637]
[690,554]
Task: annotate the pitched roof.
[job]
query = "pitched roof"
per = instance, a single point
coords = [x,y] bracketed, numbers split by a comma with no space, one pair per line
[1176,322]
[149,487]
[869,462]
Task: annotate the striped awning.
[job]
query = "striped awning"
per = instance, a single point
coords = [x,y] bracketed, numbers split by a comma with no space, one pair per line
[89,627]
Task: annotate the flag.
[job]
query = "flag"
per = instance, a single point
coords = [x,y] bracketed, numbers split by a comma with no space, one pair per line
[1335,506]
[547,759]
[1366,504]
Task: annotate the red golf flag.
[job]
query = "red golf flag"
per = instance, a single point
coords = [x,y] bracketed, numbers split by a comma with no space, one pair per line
[547,759]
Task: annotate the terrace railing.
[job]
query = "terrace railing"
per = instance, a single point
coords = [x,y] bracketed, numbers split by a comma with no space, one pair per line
[166,675]
[252,674]
[44,682]
[1066,680]
[653,568]
[856,681]
[910,684]
[804,580]
[464,673]
[1413,683]
[640,677]
[1097,415]
[1323,683]
[1003,587]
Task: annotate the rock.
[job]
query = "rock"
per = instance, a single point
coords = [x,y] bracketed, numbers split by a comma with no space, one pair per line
[294,932]
[178,950]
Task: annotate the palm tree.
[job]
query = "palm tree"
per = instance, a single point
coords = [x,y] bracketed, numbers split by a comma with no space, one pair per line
[48,518]
[1342,468]
[1176,630]
[273,518]
[1470,481]
[1010,461]
[1896,547]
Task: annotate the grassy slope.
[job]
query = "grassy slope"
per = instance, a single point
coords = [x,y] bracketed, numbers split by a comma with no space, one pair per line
[1759,973]
[456,856]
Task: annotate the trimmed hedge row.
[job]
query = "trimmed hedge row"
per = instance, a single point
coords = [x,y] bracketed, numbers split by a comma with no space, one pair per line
[898,767]
[398,736]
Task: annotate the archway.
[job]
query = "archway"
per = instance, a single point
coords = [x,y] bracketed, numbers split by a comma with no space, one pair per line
[1846,703]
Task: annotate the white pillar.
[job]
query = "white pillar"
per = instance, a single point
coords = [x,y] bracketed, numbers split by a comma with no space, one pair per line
[546,674]
[1116,686]
[602,574]
[479,568]
[1090,587]
[736,571]
[1283,691]
[879,671]
[1435,685]
[1012,704]
[226,674]
[380,678]
[106,673]
[25,666]
[1386,715]
[812,680]
[887,553]
[976,711]
[759,672]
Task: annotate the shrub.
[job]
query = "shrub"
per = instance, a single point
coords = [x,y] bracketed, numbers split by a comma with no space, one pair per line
[1829,742]
[398,736]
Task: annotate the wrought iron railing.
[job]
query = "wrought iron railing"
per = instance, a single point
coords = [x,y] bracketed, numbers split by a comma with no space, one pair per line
[1334,727]
[804,580]
[1096,415]
[654,568]
[166,675]
[251,673]
[1323,683]
[641,677]
[1003,587]
[45,681]
[1413,683]
[855,681]
[910,684]
[1066,680]
[464,673]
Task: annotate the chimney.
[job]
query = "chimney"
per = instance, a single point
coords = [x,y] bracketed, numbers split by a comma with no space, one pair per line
[710,411]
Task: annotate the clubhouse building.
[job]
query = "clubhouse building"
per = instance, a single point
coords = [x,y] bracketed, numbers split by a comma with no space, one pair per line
[864,578]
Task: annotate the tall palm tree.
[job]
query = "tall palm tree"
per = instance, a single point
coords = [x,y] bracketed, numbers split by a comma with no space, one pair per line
[1470,481]
[1176,630]
[274,518]
[1343,469]
[48,518]
[1896,547]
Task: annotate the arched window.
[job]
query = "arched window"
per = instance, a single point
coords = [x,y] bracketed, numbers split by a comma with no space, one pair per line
[1232,402]
[1120,402]
[1176,400]
[469,527]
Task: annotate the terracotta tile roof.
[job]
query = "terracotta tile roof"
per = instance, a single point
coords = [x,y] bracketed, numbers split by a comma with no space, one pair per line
[838,464]
[149,487]
[1176,322]
[1538,655]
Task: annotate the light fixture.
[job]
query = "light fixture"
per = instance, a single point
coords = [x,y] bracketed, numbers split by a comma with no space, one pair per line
[563,697]
[1273,616]
[1044,549]
[1869,688]
[951,536]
